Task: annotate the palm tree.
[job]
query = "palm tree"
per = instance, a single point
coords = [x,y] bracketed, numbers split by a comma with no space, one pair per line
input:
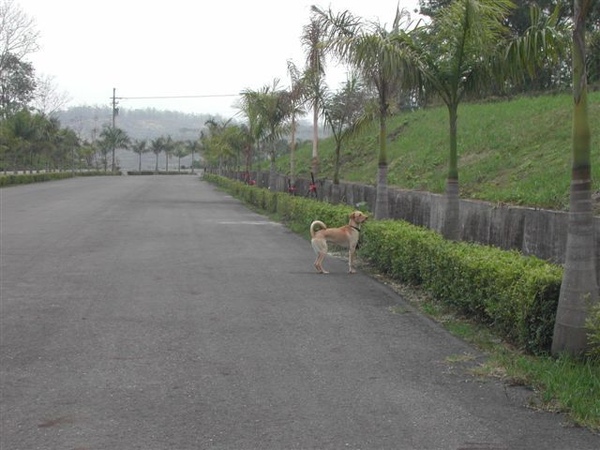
[192,148]
[273,111]
[457,59]
[384,60]
[216,143]
[139,147]
[346,112]
[112,138]
[296,96]
[169,146]
[579,288]
[465,50]
[180,150]
[157,146]
[314,76]
[248,106]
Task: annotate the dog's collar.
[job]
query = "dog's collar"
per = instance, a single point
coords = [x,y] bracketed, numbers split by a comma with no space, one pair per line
[356,228]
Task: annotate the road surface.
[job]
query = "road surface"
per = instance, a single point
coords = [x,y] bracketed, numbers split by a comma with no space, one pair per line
[159,313]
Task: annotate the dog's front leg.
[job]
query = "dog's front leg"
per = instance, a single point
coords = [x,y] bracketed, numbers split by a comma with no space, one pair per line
[350,258]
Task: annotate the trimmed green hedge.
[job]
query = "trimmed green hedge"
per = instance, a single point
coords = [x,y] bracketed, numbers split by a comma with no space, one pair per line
[28,178]
[514,294]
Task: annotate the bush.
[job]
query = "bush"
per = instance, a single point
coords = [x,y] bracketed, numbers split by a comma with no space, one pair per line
[28,178]
[514,294]
[593,325]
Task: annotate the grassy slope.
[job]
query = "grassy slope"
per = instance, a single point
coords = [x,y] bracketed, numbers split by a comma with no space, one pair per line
[516,151]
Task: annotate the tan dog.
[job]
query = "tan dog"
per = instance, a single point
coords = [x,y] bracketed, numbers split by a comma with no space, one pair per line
[346,236]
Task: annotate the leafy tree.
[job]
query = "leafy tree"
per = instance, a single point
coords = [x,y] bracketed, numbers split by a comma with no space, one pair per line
[17,85]
[18,38]
[19,132]
[384,59]
[579,287]
[431,7]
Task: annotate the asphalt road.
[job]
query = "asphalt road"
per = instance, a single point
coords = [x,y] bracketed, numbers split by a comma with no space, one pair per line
[159,313]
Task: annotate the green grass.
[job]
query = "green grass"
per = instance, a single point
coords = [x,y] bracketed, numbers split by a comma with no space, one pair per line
[515,152]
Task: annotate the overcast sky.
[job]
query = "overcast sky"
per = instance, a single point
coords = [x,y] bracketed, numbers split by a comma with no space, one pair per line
[178,47]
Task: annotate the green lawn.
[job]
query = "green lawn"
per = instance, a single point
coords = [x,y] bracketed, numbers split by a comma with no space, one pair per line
[516,151]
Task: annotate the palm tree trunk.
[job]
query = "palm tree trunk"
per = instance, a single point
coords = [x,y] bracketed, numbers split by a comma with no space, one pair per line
[315,146]
[272,170]
[335,188]
[293,152]
[579,288]
[381,202]
[451,223]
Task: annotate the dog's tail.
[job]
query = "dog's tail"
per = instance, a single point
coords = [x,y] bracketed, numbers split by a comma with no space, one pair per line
[316,223]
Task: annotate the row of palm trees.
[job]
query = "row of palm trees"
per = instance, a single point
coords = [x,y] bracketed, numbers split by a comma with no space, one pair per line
[33,141]
[113,138]
[463,52]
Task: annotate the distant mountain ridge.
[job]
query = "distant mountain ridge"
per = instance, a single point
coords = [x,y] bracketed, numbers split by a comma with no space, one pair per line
[149,123]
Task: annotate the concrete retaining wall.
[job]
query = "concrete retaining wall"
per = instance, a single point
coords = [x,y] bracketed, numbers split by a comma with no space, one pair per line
[537,232]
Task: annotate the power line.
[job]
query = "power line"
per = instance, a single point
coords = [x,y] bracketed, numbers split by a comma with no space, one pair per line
[154,97]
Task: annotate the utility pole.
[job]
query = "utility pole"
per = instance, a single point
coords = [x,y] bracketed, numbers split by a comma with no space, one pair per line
[115,111]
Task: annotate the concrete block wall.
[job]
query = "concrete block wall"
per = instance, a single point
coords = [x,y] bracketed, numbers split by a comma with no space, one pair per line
[532,231]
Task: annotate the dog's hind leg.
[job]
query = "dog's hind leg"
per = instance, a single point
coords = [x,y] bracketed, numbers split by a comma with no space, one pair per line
[320,248]
[319,262]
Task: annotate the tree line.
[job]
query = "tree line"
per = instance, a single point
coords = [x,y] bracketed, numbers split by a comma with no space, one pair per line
[457,51]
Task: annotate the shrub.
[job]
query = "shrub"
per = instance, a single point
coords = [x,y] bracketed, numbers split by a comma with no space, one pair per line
[593,325]
[514,294]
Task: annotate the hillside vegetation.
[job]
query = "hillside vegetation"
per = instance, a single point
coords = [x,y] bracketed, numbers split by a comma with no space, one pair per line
[516,151]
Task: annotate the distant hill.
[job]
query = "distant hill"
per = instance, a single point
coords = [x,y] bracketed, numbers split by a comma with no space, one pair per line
[150,123]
